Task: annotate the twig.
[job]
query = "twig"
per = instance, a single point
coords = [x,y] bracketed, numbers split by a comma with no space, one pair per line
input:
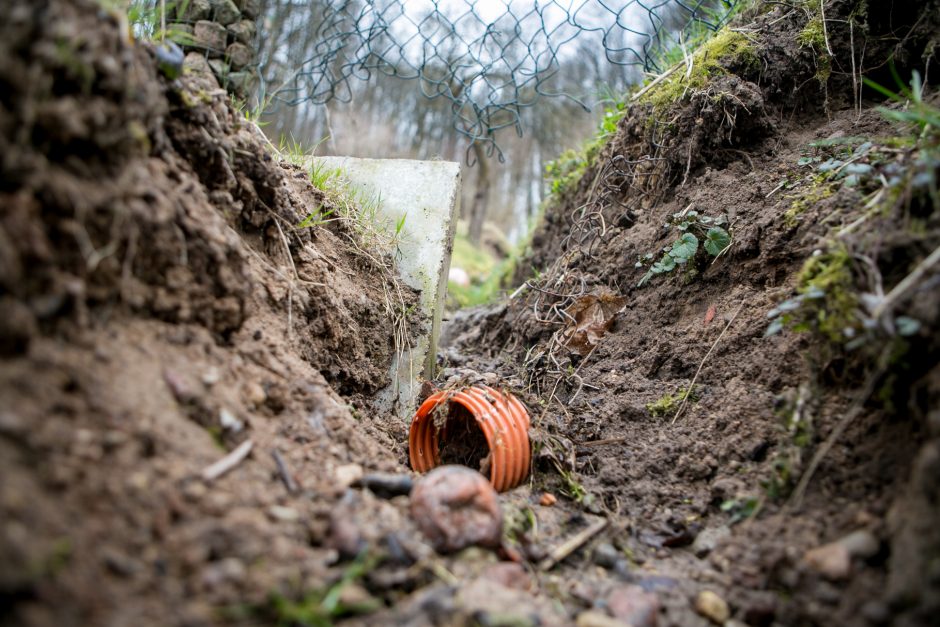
[574,543]
[796,499]
[216,470]
[822,16]
[688,393]
[285,472]
[657,81]
[906,284]
[604,442]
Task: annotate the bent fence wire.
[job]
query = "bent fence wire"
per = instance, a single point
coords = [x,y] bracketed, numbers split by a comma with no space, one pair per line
[489,58]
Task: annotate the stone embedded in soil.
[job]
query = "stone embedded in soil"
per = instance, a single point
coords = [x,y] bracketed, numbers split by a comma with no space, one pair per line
[593,618]
[634,605]
[242,31]
[708,539]
[225,12]
[238,55]
[832,561]
[861,543]
[548,499]
[455,507]
[712,607]
[250,8]
[347,474]
[210,35]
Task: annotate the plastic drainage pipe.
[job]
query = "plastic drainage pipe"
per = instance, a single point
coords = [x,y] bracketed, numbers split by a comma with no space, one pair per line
[502,419]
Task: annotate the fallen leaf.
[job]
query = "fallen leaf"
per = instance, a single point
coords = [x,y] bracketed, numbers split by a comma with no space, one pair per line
[592,316]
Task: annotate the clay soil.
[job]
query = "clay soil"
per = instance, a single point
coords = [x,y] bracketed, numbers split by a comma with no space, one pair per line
[159,309]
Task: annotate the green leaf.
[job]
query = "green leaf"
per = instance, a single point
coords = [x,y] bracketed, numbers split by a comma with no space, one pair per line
[666,264]
[684,248]
[716,240]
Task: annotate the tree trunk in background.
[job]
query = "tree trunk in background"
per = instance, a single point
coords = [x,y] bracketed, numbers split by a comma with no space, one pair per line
[481,197]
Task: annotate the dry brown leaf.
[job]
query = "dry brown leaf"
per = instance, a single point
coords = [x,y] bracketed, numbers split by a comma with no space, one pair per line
[593,314]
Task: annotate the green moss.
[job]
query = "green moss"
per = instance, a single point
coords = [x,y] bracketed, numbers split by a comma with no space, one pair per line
[820,190]
[813,36]
[727,48]
[830,274]
[669,403]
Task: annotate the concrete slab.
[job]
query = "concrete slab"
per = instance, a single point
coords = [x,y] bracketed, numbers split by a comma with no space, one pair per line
[427,193]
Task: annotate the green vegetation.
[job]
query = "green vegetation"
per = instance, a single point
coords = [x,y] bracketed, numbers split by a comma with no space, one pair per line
[488,274]
[726,49]
[566,171]
[685,252]
[813,36]
[669,403]
[319,608]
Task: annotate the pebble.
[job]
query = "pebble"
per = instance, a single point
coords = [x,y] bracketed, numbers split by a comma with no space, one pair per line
[593,618]
[211,376]
[230,422]
[283,514]
[179,386]
[456,507]
[255,394]
[387,485]
[606,555]
[228,569]
[633,605]
[347,474]
[832,561]
[548,499]
[861,543]
[708,539]
[712,607]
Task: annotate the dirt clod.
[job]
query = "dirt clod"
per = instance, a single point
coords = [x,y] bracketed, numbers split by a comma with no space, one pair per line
[455,507]
[634,606]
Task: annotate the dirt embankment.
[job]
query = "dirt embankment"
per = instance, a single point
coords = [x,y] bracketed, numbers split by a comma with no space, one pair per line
[158,310]
[760,147]
[150,322]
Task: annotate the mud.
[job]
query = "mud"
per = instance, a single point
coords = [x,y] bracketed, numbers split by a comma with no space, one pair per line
[158,308]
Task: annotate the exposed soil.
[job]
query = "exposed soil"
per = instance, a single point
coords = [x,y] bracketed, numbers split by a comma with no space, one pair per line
[158,308]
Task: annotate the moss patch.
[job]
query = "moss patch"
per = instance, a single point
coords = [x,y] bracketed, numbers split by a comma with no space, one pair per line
[726,49]
[830,274]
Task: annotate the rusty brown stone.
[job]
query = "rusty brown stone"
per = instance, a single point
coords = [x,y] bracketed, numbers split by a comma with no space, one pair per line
[455,507]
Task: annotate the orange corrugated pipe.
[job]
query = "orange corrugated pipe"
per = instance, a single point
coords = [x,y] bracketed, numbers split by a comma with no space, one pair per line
[503,420]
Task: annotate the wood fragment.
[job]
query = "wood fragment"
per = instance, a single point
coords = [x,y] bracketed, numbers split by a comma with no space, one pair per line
[284,471]
[574,543]
[219,468]
[604,442]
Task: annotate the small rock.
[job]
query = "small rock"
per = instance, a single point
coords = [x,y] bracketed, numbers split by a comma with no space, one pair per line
[347,474]
[222,571]
[548,499]
[239,81]
[634,606]
[181,388]
[861,543]
[196,64]
[230,422]
[11,424]
[219,68]
[712,607]
[239,55]
[832,561]
[210,35]
[225,12]
[606,555]
[593,618]
[255,394]
[211,376]
[455,507]
[250,8]
[243,32]
[708,539]
[195,10]
[508,575]
[386,485]
[283,514]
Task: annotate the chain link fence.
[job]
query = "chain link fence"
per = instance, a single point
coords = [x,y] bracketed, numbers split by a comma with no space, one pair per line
[490,59]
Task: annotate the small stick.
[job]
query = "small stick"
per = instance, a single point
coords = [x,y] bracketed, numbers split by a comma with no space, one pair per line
[657,80]
[702,365]
[573,544]
[604,442]
[906,284]
[216,470]
[285,472]
[822,15]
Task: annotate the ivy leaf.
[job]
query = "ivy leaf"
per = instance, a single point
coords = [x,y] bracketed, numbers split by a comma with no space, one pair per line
[775,327]
[684,248]
[716,240]
[666,264]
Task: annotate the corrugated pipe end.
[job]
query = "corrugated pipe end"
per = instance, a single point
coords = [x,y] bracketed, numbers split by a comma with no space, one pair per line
[501,418]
